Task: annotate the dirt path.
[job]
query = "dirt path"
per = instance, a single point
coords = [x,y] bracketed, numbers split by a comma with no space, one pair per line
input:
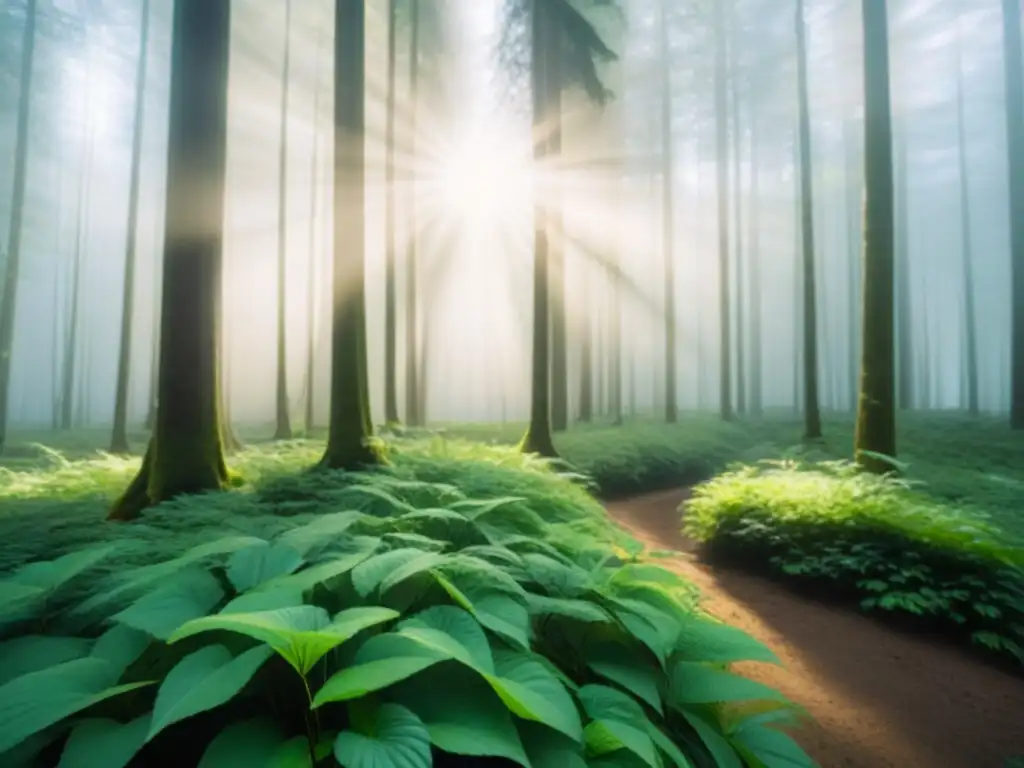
[880,699]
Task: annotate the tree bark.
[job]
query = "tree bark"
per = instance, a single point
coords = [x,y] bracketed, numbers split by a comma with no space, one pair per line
[755,320]
[413,416]
[282,415]
[724,283]
[390,321]
[185,454]
[875,436]
[667,217]
[966,243]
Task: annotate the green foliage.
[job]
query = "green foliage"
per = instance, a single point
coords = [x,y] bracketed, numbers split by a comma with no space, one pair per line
[464,602]
[879,540]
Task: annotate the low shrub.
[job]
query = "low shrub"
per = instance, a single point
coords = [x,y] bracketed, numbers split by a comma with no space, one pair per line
[878,539]
[378,620]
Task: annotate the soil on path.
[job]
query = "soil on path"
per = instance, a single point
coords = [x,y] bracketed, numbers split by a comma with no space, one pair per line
[879,698]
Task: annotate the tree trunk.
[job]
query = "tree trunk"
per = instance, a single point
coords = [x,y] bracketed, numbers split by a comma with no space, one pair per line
[966,247]
[350,430]
[538,438]
[875,436]
[8,306]
[312,304]
[853,216]
[1014,84]
[798,279]
[724,283]
[119,438]
[906,393]
[282,416]
[556,255]
[390,321]
[667,217]
[812,415]
[585,332]
[413,417]
[755,320]
[741,367]
[185,453]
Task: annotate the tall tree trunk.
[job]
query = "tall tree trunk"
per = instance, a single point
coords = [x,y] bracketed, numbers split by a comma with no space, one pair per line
[615,309]
[312,304]
[667,217]
[798,278]
[413,417]
[737,143]
[185,453]
[755,319]
[853,216]
[724,283]
[812,415]
[538,438]
[556,255]
[282,415]
[1014,84]
[585,332]
[906,392]
[119,438]
[154,362]
[350,429]
[966,243]
[8,307]
[390,320]
[876,413]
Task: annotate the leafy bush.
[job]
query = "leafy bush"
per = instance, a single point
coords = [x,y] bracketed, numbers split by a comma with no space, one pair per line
[413,625]
[877,539]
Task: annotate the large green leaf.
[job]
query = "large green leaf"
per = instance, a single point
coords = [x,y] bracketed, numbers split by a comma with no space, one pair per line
[121,646]
[764,747]
[247,744]
[546,748]
[202,681]
[424,562]
[188,596]
[338,565]
[668,747]
[369,574]
[258,600]
[703,639]
[106,743]
[51,574]
[618,722]
[721,750]
[398,739]
[462,714]
[452,632]
[301,635]
[381,661]
[628,668]
[19,601]
[556,578]
[35,701]
[252,566]
[323,529]
[652,627]
[30,653]
[501,612]
[572,608]
[532,692]
[602,702]
[695,683]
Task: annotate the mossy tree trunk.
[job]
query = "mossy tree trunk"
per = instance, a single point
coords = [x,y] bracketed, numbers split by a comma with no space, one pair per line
[667,216]
[875,435]
[119,437]
[413,417]
[1014,84]
[538,437]
[282,415]
[185,454]
[812,414]
[390,221]
[966,241]
[349,427]
[725,407]
[9,297]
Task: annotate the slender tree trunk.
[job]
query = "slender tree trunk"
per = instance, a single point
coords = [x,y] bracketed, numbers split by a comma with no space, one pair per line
[853,215]
[585,332]
[556,254]
[119,438]
[667,217]
[8,311]
[755,320]
[154,362]
[734,69]
[724,282]
[906,392]
[185,454]
[798,279]
[390,320]
[312,303]
[348,445]
[876,414]
[966,243]
[1014,84]
[413,417]
[615,309]
[282,416]
[812,415]
[538,438]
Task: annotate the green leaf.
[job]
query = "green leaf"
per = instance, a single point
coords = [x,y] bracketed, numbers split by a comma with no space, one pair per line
[19,601]
[399,740]
[31,653]
[721,750]
[669,747]
[580,610]
[188,596]
[712,641]
[601,702]
[603,736]
[247,744]
[106,743]
[252,566]
[121,646]
[294,753]
[546,748]
[694,683]
[309,577]
[35,701]
[767,748]
[369,575]
[258,600]
[625,667]
[381,661]
[424,562]
[462,714]
[453,632]
[532,692]
[301,635]
[321,530]
[655,629]
[496,609]
[51,574]
[202,681]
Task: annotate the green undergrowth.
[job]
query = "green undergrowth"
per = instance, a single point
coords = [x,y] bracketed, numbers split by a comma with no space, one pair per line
[886,542]
[465,606]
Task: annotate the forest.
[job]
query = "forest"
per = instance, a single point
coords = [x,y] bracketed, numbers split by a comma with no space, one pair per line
[538,383]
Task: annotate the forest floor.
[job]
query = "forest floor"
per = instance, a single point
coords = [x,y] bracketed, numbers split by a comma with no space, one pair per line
[880,698]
